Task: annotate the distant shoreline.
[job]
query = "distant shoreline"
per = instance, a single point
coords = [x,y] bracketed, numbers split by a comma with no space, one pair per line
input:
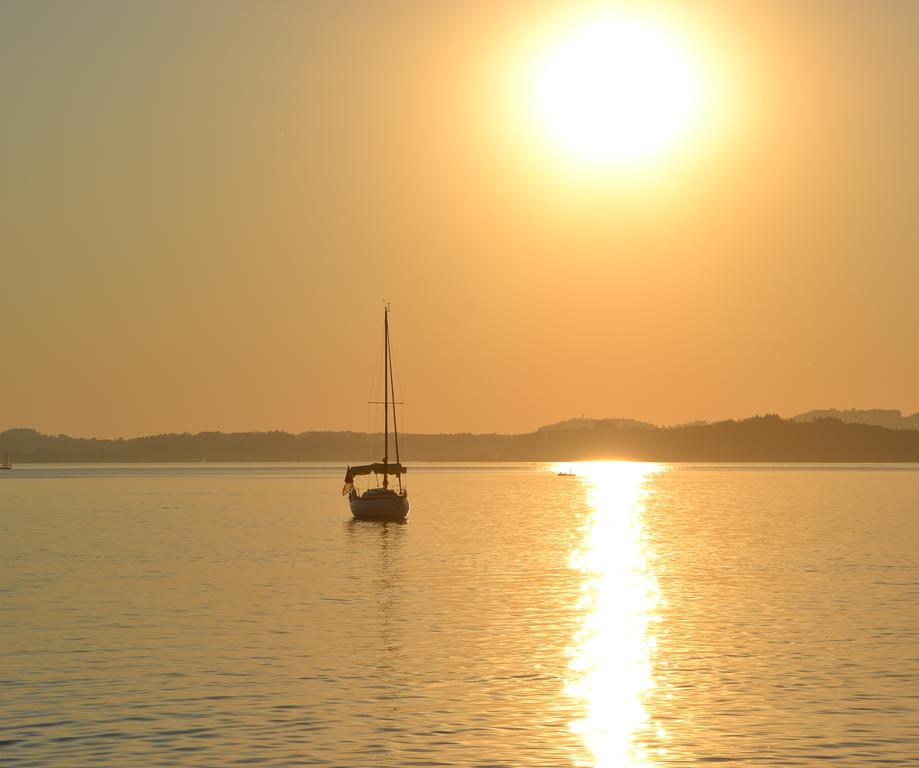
[758,439]
[471,463]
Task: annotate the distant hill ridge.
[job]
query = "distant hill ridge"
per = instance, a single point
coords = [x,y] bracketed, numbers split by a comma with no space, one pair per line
[889,419]
[584,423]
[761,438]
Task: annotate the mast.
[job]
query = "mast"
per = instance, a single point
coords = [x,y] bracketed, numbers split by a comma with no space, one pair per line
[386,395]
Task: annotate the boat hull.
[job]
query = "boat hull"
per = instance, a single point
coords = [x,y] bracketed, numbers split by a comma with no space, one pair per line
[389,506]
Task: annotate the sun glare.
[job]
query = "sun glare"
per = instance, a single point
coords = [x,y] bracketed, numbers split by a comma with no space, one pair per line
[616,90]
[611,672]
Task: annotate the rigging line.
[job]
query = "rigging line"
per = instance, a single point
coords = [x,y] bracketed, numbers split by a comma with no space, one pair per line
[398,381]
[392,381]
[395,429]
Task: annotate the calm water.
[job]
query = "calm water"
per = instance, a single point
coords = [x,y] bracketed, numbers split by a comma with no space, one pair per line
[635,615]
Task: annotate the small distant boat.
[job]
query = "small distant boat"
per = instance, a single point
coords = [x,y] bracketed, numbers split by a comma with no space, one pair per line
[381,503]
[7,464]
[567,474]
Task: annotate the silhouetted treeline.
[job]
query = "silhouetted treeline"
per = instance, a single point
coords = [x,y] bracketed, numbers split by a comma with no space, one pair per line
[762,438]
[881,417]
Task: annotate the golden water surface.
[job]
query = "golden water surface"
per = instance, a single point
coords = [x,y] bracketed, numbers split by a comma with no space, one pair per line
[632,615]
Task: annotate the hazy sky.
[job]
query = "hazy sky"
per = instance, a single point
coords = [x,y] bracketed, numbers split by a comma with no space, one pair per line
[203,204]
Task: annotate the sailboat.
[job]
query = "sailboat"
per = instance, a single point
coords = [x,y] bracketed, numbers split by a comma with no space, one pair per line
[382,502]
[6,462]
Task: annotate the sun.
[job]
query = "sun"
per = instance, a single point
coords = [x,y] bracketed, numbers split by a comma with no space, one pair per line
[616,90]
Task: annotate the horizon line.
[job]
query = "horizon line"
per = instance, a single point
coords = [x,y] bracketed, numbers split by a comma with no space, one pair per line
[637,423]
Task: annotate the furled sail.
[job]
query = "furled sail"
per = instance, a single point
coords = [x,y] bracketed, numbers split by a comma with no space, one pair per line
[378,468]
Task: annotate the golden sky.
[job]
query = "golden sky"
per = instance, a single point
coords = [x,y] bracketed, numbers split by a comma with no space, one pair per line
[202,206]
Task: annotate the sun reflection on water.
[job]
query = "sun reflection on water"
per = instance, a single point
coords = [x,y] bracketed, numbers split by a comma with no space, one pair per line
[611,669]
